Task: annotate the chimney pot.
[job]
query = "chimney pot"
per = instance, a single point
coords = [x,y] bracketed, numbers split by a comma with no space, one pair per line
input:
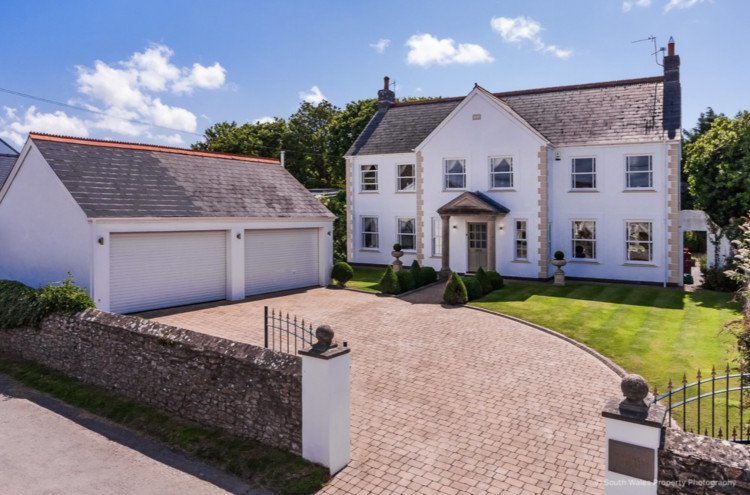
[670,47]
[386,82]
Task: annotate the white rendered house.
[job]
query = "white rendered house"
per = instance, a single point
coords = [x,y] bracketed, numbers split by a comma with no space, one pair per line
[503,180]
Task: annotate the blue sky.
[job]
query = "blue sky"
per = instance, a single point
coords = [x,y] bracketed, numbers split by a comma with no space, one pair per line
[163,71]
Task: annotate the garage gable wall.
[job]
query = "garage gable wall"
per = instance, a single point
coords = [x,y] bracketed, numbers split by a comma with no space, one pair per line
[44,234]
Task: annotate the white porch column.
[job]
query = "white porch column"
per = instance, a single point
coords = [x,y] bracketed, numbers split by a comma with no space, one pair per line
[633,437]
[326,416]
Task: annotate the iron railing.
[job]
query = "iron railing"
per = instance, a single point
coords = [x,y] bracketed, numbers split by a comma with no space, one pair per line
[690,393]
[285,333]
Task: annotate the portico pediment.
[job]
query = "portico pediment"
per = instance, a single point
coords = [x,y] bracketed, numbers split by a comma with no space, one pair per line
[472,203]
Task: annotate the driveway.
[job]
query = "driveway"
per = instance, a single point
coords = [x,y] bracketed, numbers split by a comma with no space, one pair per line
[448,400]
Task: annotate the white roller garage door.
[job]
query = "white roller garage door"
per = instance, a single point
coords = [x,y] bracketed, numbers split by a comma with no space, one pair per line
[280,259]
[163,269]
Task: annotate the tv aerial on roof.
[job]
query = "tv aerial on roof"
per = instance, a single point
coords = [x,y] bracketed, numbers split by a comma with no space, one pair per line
[656,50]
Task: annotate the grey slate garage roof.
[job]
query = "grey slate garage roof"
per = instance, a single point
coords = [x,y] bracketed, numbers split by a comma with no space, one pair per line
[7,158]
[600,113]
[122,180]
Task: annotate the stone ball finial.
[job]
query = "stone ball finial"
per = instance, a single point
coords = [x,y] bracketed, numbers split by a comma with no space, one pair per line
[324,334]
[634,387]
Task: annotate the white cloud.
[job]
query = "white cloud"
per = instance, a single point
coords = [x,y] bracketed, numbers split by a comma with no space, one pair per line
[627,5]
[425,50]
[125,97]
[264,120]
[681,4]
[525,29]
[381,45]
[313,95]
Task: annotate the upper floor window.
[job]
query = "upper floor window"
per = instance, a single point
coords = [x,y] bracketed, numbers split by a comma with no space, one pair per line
[407,233]
[501,172]
[370,234]
[522,247]
[369,177]
[638,171]
[639,241]
[584,239]
[407,180]
[454,174]
[584,173]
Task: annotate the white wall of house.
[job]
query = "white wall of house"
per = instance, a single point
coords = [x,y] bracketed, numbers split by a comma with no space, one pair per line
[387,204]
[479,129]
[611,205]
[43,232]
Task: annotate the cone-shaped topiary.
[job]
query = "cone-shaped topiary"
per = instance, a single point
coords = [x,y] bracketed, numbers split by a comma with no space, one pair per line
[416,274]
[429,275]
[342,272]
[389,282]
[405,281]
[455,291]
[495,279]
[481,276]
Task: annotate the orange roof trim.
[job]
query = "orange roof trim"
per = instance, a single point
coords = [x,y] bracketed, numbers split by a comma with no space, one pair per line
[149,147]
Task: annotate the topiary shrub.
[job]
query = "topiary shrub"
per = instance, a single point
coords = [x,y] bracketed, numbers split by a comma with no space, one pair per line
[455,291]
[389,282]
[473,287]
[342,272]
[495,279]
[429,275]
[405,281]
[21,306]
[559,255]
[481,276]
[416,273]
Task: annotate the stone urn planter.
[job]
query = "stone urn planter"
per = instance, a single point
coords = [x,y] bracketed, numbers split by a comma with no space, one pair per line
[559,262]
[397,253]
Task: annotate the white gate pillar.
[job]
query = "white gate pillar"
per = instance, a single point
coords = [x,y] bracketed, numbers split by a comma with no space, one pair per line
[326,415]
[633,437]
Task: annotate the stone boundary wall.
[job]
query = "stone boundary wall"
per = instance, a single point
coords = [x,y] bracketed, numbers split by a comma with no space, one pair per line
[249,391]
[694,464]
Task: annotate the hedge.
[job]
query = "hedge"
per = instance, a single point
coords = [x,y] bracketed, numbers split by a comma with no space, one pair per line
[473,288]
[495,279]
[429,275]
[416,273]
[21,306]
[405,281]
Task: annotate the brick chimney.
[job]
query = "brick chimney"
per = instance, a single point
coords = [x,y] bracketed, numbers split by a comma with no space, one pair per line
[672,92]
[386,97]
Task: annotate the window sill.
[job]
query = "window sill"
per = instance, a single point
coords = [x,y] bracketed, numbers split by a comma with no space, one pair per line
[370,250]
[643,263]
[437,256]
[521,261]
[583,262]
[369,192]
[406,192]
[455,190]
[503,189]
[592,190]
[639,189]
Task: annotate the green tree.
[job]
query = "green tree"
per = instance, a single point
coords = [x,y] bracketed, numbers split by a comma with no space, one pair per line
[337,206]
[260,139]
[705,121]
[306,157]
[717,165]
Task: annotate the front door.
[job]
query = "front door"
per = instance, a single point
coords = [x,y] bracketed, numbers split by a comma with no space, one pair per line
[477,246]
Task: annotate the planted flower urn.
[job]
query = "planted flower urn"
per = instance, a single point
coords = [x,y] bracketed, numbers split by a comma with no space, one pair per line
[559,261]
[397,253]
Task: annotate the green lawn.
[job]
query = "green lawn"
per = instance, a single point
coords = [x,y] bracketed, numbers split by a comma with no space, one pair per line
[366,278]
[657,333]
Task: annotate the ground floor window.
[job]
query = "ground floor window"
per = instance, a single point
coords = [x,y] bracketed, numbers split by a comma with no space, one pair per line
[437,236]
[522,251]
[639,241]
[584,239]
[370,234]
[407,233]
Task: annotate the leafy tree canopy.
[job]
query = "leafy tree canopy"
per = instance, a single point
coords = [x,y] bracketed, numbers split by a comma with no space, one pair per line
[717,165]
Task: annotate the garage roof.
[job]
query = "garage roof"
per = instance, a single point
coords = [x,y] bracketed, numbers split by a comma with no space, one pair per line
[125,180]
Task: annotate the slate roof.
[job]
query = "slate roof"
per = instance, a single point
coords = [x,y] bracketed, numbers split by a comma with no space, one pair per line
[124,180]
[7,158]
[600,113]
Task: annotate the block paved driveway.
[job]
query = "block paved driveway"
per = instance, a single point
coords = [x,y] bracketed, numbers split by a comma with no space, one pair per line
[448,400]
